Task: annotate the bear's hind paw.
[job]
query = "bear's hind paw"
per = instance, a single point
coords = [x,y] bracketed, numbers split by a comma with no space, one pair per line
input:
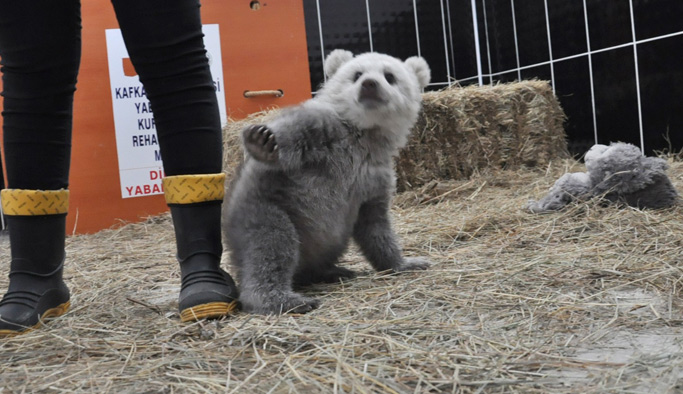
[277,305]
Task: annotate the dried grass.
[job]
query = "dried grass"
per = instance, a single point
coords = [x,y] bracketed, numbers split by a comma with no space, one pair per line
[583,300]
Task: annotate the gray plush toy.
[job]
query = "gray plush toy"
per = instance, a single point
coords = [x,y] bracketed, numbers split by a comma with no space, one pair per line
[617,173]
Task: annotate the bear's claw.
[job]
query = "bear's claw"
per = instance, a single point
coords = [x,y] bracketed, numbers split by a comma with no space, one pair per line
[260,142]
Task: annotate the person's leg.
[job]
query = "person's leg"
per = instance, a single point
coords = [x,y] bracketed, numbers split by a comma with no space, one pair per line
[40,44]
[165,43]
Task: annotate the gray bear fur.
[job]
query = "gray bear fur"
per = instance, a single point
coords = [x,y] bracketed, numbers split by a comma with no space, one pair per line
[318,175]
[618,173]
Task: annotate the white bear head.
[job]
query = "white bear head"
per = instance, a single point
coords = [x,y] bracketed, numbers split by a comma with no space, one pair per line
[376,91]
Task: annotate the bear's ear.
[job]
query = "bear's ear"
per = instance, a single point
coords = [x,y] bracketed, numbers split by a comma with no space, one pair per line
[335,59]
[420,68]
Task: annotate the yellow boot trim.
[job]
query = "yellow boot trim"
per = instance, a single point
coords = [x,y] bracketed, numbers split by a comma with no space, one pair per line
[211,310]
[190,189]
[48,314]
[20,202]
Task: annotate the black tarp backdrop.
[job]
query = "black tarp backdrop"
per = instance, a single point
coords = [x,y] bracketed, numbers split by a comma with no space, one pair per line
[588,50]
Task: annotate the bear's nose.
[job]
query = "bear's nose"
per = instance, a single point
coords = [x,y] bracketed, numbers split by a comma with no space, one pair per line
[369,84]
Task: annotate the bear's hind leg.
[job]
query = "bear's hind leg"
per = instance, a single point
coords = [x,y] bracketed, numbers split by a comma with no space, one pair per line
[268,258]
[327,273]
[336,273]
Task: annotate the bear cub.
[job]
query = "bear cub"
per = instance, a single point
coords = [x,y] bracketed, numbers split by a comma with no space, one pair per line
[319,174]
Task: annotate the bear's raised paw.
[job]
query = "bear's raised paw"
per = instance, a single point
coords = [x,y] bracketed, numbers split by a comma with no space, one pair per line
[259,141]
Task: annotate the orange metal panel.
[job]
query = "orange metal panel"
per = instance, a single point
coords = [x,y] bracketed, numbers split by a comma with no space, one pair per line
[263,47]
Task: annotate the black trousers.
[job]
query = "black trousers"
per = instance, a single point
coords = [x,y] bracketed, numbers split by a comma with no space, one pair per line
[40,50]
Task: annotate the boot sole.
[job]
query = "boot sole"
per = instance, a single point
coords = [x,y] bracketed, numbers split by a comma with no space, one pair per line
[48,314]
[211,310]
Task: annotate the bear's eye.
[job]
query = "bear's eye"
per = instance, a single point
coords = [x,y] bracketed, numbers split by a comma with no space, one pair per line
[390,78]
[356,76]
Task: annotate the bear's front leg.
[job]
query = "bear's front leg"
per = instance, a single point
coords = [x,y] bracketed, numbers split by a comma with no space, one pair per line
[373,234]
[259,141]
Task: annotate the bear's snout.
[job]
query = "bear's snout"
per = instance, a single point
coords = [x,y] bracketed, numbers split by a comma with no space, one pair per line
[369,91]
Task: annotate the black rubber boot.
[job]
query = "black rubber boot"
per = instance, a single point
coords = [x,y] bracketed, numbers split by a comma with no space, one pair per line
[207,291]
[36,290]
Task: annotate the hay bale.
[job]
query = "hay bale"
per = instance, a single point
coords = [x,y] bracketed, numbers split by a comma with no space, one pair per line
[461,131]
[464,130]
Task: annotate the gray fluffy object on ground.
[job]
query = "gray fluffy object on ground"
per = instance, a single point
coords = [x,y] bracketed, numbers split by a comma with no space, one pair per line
[618,173]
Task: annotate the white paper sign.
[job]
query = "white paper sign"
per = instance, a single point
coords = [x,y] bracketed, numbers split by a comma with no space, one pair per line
[137,145]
